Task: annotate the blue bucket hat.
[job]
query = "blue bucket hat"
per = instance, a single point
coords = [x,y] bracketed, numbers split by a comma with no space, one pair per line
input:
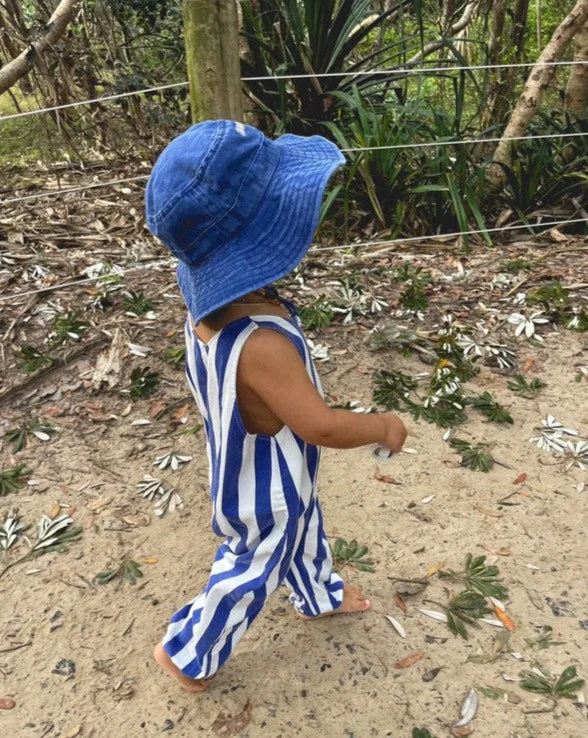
[237,209]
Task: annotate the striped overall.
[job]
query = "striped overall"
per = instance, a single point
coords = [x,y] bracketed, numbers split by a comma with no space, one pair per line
[263,491]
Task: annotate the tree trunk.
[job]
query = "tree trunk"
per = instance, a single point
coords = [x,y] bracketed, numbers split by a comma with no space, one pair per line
[211,30]
[539,79]
[577,87]
[23,63]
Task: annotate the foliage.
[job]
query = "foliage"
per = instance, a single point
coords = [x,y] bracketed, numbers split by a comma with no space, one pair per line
[175,356]
[495,412]
[421,733]
[33,359]
[414,296]
[525,388]
[68,326]
[288,37]
[465,609]
[476,575]
[11,529]
[137,303]
[11,480]
[18,436]
[318,315]
[392,389]
[517,265]
[473,457]
[541,682]
[128,570]
[351,554]
[144,382]
[446,412]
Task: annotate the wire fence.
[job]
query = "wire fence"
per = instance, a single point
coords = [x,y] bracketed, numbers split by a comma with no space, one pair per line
[352,150]
[346,247]
[318,76]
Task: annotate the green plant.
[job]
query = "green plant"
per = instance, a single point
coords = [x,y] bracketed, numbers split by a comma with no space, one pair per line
[495,412]
[539,681]
[465,609]
[421,733]
[32,359]
[318,315]
[523,388]
[473,457]
[288,37]
[137,304]
[544,639]
[128,570]
[351,554]
[553,296]
[11,529]
[144,382]
[446,412]
[175,356]
[476,575]
[68,326]
[392,388]
[414,296]
[517,265]
[18,436]
[11,480]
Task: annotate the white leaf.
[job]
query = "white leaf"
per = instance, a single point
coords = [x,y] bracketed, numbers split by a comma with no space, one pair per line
[141,421]
[468,709]
[42,436]
[498,604]
[428,499]
[434,614]
[493,623]
[397,626]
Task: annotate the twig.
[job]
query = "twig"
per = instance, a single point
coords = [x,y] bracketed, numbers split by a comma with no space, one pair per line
[15,648]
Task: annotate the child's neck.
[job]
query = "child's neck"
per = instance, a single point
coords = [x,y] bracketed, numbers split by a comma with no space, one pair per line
[206,330]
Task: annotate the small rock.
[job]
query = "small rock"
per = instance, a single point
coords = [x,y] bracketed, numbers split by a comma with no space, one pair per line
[583,624]
[168,725]
[65,667]
[7,704]
[428,676]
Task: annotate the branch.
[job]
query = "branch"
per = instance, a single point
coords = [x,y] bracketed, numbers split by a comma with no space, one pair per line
[456,27]
[23,63]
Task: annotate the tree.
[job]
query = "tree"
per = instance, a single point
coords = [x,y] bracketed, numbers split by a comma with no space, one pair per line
[538,81]
[577,87]
[53,31]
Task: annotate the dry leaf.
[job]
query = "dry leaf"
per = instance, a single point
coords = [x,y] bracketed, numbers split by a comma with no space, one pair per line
[502,551]
[7,704]
[385,478]
[400,602]
[157,409]
[508,623]
[150,560]
[409,660]
[108,364]
[398,627]
[97,505]
[528,365]
[181,412]
[228,726]
[133,519]
[535,598]
[490,513]
[520,479]
[55,510]
[463,731]
[74,732]
[434,568]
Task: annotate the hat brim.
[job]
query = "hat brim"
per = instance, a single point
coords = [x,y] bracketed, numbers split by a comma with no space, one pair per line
[276,238]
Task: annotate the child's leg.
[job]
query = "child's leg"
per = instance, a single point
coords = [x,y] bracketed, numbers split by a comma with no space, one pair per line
[316,588]
[203,633]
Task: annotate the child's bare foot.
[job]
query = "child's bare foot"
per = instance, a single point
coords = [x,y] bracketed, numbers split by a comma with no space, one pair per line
[353,601]
[189,685]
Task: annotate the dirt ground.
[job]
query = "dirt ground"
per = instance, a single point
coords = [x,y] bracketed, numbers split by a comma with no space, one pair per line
[75,656]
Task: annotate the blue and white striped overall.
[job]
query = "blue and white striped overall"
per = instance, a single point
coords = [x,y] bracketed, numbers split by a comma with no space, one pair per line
[263,491]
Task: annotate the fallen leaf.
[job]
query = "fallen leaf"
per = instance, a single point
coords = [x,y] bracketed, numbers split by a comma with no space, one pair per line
[385,478]
[7,704]
[428,676]
[398,627]
[528,364]
[170,334]
[490,513]
[150,560]
[181,412]
[74,732]
[434,614]
[535,598]
[133,519]
[99,503]
[520,479]
[228,726]
[409,660]
[463,731]
[55,510]
[508,622]
[400,602]
[108,364]
[502,551]
[434,568]
[157,409]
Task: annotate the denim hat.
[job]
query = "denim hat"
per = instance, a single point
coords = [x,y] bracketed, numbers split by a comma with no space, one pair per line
[237,209]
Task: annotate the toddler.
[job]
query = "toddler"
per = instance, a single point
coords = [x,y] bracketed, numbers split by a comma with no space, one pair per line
[240,211]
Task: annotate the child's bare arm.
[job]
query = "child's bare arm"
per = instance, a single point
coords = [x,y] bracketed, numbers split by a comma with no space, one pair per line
[272,368]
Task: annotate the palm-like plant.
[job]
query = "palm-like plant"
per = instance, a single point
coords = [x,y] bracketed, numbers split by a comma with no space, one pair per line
[313,37]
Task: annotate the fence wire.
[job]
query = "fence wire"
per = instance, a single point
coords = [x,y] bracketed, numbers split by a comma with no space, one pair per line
[374,72]
[314,250]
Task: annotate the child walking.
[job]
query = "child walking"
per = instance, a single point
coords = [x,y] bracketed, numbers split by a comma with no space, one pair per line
[240,211]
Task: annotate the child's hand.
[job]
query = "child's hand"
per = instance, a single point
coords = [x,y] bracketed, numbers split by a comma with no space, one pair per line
[395,432]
